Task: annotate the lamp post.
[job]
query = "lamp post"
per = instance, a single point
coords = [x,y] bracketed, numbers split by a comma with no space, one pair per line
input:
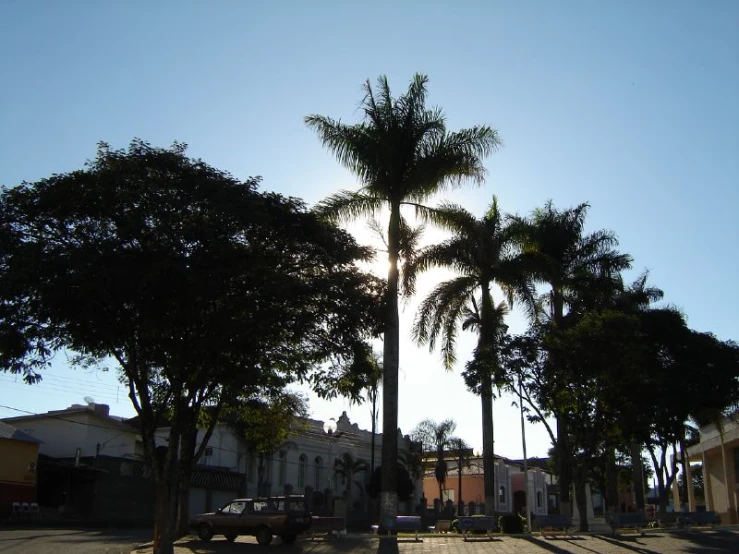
[329,428]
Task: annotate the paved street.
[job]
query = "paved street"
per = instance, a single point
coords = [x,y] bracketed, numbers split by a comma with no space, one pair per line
[70,541]
[705,542]
[104,541]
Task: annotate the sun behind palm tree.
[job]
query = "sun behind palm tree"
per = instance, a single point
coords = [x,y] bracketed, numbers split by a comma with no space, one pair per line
[402,154]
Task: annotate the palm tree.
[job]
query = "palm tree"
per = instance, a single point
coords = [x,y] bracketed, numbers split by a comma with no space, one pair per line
[347,466]
[402,154]
[436,440]
[484,253]
[567,260]
[462,453]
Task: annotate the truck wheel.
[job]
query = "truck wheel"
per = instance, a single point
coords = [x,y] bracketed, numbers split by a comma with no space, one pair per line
[205,532]
[264,536]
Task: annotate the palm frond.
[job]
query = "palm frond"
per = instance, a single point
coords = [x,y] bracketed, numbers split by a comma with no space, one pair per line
[440,313]
[347,205]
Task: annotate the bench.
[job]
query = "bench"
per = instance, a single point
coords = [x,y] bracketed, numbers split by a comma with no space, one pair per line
[635,521]
[692,520]
[553,523]
[443,526]
[667,520]
[394,525]
[326,526]
[477,523]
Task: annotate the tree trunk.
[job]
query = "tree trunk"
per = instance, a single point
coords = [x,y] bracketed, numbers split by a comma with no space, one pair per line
[391,363]
[488,451]
[167,487]
[611,481]
[638,474]
[374,432]
[581,498]
[186,463]
[460,502]
[564,474]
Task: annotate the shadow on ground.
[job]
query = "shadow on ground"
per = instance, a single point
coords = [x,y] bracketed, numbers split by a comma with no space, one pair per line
[248,544]
[702,542]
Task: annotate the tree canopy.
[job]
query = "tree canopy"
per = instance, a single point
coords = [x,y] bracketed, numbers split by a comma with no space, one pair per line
[200,286]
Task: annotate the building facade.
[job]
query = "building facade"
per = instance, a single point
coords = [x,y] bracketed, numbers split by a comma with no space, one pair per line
[18,463]
[718,453]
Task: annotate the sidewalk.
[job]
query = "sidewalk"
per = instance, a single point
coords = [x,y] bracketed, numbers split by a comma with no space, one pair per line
[722,541]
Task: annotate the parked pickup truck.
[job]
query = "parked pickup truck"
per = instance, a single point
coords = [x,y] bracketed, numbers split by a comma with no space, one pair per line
[284,516]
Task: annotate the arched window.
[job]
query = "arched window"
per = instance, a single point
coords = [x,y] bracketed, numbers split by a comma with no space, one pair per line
[501,495]
[283,468]
[317,471]
[302,466]
[539,498]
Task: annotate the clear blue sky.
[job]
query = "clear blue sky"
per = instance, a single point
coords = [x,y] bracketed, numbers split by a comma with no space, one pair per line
[632,106]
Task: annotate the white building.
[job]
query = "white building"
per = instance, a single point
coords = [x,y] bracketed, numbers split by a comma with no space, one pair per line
[81,431]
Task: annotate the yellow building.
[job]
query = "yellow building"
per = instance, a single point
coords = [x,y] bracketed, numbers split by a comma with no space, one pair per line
[19,455]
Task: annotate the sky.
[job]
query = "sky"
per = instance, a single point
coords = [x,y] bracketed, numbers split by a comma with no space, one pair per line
[631,106]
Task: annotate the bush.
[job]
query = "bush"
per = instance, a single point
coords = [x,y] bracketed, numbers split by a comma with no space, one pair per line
[511,524]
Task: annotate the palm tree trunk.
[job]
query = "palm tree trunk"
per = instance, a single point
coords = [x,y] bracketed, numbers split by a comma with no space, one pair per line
[488,452]
[564,473]
[486,348]
[374,431]
[525,459]
[460,502]
[391,363]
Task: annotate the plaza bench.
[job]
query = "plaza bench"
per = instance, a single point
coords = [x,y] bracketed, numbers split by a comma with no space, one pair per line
[667,520]
[554,523]
[397,524]
[477,523]
[443,526]
[326,526]
[693,520]
[636,521]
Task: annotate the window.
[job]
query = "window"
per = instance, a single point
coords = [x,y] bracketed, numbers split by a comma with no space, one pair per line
[302,463]
[538,499]
[501,495]
[282,468]
[234,508]
[317,470]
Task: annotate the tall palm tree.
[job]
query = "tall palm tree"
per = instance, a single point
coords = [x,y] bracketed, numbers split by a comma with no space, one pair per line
[484,253]
[436,440]
[402,154]
[567,260]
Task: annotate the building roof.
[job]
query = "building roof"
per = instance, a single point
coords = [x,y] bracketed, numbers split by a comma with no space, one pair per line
[99,411]
[10,432]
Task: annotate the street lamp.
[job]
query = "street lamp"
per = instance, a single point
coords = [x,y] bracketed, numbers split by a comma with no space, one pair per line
[329,428]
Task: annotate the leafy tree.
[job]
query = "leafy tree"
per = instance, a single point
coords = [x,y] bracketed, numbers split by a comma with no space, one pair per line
[265,424]
[598,358]
[402,477]
[567,260]
[435,439]
[200,287]
[484,252]
[402,154]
